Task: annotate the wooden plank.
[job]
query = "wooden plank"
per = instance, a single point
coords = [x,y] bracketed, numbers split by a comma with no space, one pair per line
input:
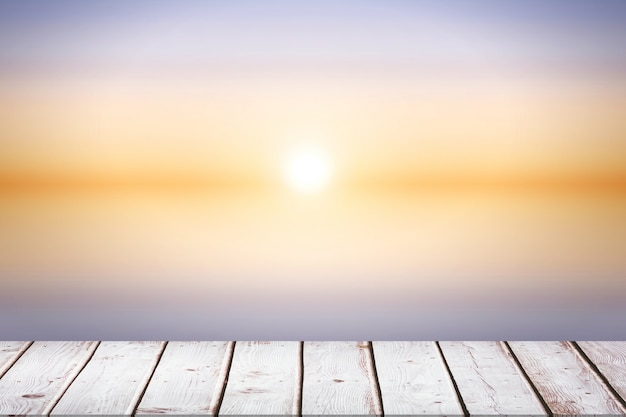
[339,379]
[264,378]
[610,359]
[113,381]
[414,380]
[9,353]
[37,380]
[488,379]
[189,379]
[564,380]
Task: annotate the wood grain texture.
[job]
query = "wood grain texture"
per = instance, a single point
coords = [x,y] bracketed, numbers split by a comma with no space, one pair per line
[414,380]
[113,381]
[41,375]
[9,353]
[339,379]
[188,379]
[263,379]
[488,379]
[564,380]
[610,358]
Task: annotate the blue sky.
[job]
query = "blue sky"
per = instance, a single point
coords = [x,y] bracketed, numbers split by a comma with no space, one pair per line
[571,35]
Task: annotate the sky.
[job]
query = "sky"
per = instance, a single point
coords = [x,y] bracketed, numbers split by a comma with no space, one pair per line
[477,153]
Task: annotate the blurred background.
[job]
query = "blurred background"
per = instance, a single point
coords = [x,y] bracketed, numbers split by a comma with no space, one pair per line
[475,158]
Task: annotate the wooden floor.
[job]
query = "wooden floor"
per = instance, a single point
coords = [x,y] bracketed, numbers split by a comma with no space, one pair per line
[313,378]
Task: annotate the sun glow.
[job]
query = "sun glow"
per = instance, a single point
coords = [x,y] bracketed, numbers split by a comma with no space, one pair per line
[307,169]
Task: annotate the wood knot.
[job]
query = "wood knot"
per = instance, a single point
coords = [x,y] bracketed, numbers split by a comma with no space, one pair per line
[33,395]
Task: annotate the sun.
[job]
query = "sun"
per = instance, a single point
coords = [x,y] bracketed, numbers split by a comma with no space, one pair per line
[307,169]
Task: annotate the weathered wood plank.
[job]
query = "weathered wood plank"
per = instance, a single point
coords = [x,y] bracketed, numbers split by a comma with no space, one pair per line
[263,379]
[414,380]
[488,379]
[9,353]
[113,381]
[189,379]
[610,359]
[37,380]
[339,378]
[564,380]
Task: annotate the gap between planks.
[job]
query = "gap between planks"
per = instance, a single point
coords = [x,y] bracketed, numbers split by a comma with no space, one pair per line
[8,361]
[145,388]
[453,381]
[220,386]
[532,385]
[595,369]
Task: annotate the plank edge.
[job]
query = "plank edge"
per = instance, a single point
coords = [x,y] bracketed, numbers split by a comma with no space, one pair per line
[23,348]
[222,380]
[66,385]
[136,400]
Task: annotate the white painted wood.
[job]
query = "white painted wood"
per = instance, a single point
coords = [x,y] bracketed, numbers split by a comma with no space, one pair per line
[563,379]
[9,353]
[339,379]
[610,358]
[263,379]
[41,375]
[414,380]
[189,379]
[113,381]
[488,379]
